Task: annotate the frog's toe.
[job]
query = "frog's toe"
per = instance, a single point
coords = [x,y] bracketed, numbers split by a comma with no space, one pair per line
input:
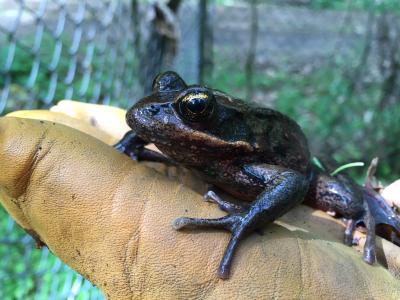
[209,196]
[356,241]
[369,255]
[227,206]
[348,239]
[124,149]
[180,223]
[349,232]
[119,147]
[193,223]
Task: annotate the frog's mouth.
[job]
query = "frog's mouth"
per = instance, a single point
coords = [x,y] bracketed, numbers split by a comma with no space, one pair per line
[160,124]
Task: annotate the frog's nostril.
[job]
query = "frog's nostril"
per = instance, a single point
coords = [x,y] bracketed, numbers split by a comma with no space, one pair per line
[153,109]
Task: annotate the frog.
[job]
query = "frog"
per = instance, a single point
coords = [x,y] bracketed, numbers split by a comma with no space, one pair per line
[255,154]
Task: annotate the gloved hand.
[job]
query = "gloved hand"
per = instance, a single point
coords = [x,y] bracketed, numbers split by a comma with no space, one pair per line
[109,218]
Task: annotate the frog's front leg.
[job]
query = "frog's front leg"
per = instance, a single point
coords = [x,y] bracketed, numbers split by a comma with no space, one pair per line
[133,146]
[284,190]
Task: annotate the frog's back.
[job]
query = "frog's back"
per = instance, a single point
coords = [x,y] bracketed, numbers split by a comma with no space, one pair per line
[276,138]
[281,141]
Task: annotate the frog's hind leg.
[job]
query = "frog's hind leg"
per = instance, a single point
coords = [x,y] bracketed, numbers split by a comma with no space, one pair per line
[369,255]
[341,195]
[283,191]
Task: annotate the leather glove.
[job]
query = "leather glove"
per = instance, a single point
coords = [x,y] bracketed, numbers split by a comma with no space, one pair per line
[109,218]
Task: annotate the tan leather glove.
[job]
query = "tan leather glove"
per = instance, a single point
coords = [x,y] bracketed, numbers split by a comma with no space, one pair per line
[109,218]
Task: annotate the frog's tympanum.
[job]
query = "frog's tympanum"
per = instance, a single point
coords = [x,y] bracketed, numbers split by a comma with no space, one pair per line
[257,155]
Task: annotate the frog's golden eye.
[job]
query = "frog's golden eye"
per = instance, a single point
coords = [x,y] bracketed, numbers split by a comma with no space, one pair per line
[196,104]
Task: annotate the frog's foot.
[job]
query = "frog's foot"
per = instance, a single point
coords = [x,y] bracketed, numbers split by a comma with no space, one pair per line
[233,223]
[349,232]
[283,191]
[369,255]
[130,144]
[227,206]
[349,238]
[134,147]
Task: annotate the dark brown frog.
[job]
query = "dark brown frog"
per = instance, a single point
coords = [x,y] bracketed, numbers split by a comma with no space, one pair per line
[255,154]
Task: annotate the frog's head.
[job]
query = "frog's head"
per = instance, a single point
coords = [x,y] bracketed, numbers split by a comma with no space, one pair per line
[180,120]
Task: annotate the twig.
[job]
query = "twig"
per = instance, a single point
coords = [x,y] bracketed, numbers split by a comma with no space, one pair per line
[369,179]
[252,50]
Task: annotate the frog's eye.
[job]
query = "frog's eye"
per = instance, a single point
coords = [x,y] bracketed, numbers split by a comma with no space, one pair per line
[168,81]
[196,105]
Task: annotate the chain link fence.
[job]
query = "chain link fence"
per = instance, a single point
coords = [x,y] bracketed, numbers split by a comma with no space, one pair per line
[65,49]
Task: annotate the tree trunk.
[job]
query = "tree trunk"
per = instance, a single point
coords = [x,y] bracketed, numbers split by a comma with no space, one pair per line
[249,68]
[205,43]
[162,44]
